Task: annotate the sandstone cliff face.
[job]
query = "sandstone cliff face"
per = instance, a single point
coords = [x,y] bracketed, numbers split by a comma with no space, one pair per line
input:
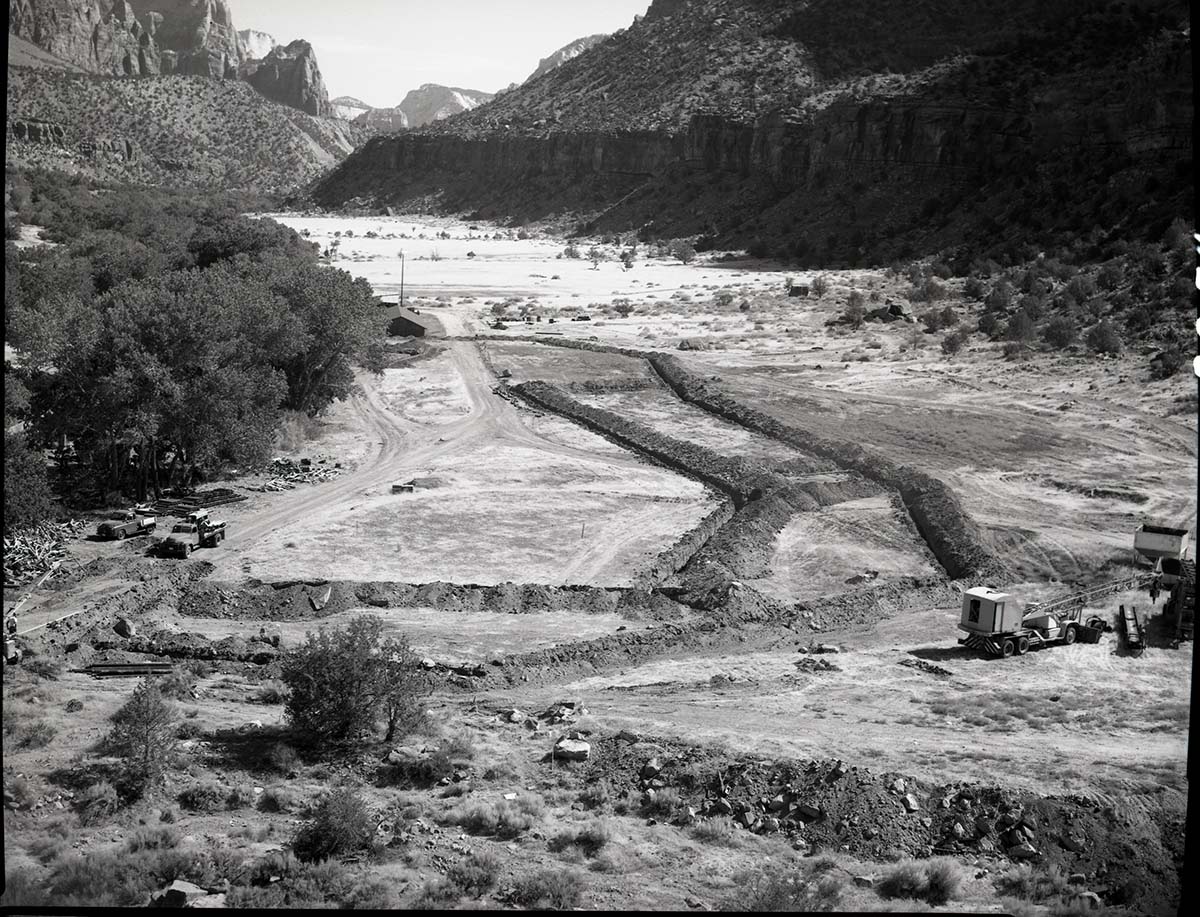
[255,45]
[382,120]
[431,102]
[290,75]
[199,34]
[348,107]
[99,37]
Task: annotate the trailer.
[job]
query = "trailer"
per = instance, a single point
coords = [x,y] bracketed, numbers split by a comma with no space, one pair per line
[1162,547]
[995,624]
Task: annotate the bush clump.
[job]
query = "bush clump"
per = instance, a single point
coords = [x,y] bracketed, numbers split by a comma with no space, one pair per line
[341,825]
[559,889]
[935,882]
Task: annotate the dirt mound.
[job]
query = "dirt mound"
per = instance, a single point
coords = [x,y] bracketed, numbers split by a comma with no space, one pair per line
[1129,853]
[951,534]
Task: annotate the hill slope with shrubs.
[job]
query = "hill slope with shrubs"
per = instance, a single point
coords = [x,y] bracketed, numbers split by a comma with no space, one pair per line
[167,130]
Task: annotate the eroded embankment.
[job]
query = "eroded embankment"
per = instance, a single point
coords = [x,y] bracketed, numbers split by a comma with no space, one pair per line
[734,611]
[741,479]
[315,599]
[951,534]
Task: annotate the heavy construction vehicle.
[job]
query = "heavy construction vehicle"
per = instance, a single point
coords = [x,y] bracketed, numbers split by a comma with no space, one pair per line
[995,623]
[126,523]
[187,536]
[1181,605]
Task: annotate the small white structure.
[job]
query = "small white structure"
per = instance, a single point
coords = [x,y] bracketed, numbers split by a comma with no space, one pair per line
[986,611]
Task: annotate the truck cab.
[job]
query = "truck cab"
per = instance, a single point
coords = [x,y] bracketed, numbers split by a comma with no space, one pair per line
[123,523]
[183,540]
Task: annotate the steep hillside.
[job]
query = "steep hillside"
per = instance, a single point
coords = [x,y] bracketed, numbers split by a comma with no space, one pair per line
[431,103]
[834,131]
[179,131]
[22,53]
[567,52]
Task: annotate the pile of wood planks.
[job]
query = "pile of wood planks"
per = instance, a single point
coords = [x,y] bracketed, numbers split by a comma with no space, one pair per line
[201,499]
[30,553]
[288,473]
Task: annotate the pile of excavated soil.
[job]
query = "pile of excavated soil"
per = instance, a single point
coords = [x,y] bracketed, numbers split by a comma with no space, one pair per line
[1129,851]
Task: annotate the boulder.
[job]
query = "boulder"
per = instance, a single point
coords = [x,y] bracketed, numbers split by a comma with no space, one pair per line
[572,750]
[217,900]
[180,894]
[769,825]
[909,801]
[808,811]
[1022,852]
[777,804]
[721,807]
[1083,901]
[651,768]
[898,785]
[864,881]
[125,628]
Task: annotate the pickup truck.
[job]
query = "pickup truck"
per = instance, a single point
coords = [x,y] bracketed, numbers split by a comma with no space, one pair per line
[124,524]
[185,537]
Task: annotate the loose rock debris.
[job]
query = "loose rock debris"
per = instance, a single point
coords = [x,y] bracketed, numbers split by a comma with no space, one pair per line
[926,667]
[286,474]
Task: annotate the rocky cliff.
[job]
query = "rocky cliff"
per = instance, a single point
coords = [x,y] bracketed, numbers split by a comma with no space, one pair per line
[565,53]
[348,107]
[768,125]
[140,38]
[255,45]
[431,102]
[290,75]
[383,120]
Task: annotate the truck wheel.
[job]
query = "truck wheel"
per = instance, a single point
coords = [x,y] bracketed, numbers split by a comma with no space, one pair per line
[1022,646]
[1008,648]
[1069,636]
[121,535]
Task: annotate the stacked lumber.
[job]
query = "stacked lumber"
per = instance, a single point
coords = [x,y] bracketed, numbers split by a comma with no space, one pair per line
[201,499]
[31,552]
[287,474]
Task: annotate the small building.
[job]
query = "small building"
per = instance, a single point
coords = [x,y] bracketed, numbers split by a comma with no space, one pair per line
[987,611]
[405,322]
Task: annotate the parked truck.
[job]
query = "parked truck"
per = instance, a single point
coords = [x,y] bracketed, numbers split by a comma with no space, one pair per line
[126,523]
[189,535]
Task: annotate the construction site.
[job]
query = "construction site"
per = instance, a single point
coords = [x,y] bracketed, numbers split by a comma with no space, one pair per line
[817,582]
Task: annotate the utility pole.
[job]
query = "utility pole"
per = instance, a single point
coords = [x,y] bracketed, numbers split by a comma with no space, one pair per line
[402,278]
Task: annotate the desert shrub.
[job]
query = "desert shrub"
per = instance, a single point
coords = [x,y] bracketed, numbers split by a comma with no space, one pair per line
[205,796]
[340,825]
[42,667]
[932,320]
[98,802]
[189,729]
[595,796]
[37,734]
[905,880]
[269,694]
[120,879]
[664,802]
[159,838]
[178,683]
[819,286]
[301,884]
[47,848]
[1061,331]
[974,289]
[22,890]
[684,251]
[74,705]
[943,881]
[717,830]
[476,874]
[1029,883]
[772,891]
[855,310]
[1167,363]
[240,796]
[277,799]
[559,889]
[143,734]
[953,342]
[283,758]
[590,839]
[373,895]
[506,818]
[989,324]
[1103,338]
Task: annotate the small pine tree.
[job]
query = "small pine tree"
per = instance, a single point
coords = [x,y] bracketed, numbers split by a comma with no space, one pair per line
[1103,338]
[143,734]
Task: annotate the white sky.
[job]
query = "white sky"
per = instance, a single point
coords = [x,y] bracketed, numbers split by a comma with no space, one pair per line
[377,50]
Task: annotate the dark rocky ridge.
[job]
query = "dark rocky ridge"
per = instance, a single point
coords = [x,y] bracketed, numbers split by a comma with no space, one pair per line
[1054,107]
[290,75]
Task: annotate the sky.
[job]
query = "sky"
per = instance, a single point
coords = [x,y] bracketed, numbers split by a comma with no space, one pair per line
[377,50]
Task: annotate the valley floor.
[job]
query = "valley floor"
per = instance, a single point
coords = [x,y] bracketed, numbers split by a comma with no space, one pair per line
[1057,458]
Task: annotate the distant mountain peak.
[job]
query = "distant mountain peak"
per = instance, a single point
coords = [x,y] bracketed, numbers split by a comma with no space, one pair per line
[565,53]
[433,102]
